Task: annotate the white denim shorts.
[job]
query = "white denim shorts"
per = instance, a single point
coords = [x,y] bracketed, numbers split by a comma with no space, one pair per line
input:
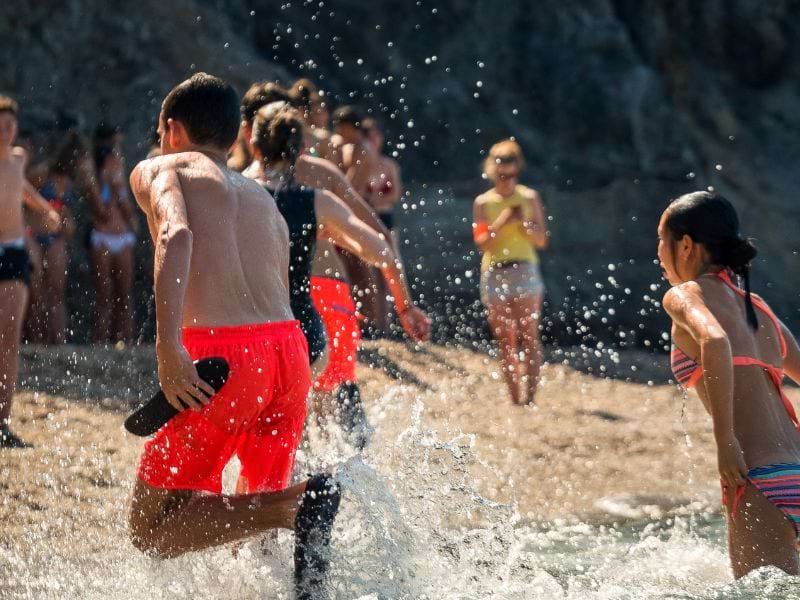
[509,282]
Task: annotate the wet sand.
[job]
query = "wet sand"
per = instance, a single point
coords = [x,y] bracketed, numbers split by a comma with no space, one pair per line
[593,448]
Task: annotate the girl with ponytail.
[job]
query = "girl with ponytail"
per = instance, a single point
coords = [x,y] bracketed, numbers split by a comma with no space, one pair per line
[728,343]
[315,214]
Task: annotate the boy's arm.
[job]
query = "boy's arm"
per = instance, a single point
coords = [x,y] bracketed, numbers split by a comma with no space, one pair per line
[177,375]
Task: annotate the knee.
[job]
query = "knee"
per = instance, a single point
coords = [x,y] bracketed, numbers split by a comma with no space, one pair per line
[146,542]
[143,537]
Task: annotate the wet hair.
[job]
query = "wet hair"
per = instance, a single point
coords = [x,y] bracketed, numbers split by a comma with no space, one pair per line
[260,94]
[349,115]
[504,152]
[711,220]
[9,105]
[278,133]
[208,107]
[304,94]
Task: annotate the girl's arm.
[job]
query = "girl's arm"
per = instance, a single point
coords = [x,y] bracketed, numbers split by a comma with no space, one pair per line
[536,227]
[484,232]
[340,226]
[687,309]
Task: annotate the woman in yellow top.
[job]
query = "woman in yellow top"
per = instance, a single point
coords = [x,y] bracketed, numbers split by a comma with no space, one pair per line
[509,228]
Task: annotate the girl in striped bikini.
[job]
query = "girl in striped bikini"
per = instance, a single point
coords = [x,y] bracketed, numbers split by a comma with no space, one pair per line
[730,345]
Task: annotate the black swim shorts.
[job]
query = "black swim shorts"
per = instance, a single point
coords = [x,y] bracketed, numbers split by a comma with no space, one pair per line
[15,264]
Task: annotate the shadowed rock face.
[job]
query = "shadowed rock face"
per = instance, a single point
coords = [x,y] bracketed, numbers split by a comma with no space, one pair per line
[620,105]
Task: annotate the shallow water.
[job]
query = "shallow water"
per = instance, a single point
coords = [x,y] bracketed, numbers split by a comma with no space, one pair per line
[414,526]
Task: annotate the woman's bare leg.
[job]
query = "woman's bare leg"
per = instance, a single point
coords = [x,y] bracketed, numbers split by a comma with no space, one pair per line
[504,331]
[101,267]
[55,282]
[527,312]
[760,535]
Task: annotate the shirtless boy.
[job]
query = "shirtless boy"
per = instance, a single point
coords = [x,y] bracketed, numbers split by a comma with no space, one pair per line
[221,267]
[15,191]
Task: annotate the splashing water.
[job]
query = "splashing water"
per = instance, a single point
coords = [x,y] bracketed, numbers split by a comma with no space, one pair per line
[413,526]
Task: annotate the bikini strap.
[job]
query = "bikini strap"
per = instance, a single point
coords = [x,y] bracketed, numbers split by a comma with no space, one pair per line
[759,304]
[776,375]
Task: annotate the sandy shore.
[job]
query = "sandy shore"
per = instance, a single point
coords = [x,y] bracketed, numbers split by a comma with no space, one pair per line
[593,448]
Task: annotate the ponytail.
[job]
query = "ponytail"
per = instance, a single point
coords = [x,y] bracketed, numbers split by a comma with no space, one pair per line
[737,254]
[278,133]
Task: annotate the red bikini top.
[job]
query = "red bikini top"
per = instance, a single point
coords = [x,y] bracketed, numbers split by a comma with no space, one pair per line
[688,372]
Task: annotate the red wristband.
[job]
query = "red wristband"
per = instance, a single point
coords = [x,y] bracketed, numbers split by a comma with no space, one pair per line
[478,229]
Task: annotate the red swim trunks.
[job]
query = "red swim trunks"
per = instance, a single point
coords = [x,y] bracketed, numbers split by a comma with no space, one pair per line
[258,414]
[335,305]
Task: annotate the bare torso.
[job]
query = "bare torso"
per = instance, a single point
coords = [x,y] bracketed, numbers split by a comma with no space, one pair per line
[12,177]
[240,249]
[382,192]
[761,423]
[318,173]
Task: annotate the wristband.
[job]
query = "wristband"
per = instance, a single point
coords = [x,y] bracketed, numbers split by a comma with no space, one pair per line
[478,229]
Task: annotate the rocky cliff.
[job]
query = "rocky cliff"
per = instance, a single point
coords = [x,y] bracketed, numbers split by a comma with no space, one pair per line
[619,104]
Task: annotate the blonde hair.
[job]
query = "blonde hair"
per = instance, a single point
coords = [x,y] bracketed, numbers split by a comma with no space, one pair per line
[504,152]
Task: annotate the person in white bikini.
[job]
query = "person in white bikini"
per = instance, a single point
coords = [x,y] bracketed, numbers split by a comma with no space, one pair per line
[111,243]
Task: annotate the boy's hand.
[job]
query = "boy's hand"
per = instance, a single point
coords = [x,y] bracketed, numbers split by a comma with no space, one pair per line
[178,377]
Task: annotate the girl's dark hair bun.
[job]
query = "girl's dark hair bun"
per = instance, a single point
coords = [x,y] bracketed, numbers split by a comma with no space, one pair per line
[737,254]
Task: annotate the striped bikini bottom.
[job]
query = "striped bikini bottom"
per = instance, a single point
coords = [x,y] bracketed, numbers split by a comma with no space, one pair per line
[780,484]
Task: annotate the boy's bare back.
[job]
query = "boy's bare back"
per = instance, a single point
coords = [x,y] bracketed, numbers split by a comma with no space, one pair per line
[240,243]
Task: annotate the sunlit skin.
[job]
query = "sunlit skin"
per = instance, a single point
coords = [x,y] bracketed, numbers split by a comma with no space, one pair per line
[515,322]
[751,427]
[113,271]
[384,191]
[359,156]
[15,191]
[317,135]
[203,216]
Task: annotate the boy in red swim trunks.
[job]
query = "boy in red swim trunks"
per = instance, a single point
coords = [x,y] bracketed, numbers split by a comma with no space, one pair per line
[217,295]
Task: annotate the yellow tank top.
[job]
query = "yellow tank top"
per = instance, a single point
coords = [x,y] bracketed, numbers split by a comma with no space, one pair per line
[510,243]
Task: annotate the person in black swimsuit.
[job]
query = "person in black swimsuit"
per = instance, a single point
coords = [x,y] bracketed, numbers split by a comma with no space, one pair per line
[296,204]
[278,141]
